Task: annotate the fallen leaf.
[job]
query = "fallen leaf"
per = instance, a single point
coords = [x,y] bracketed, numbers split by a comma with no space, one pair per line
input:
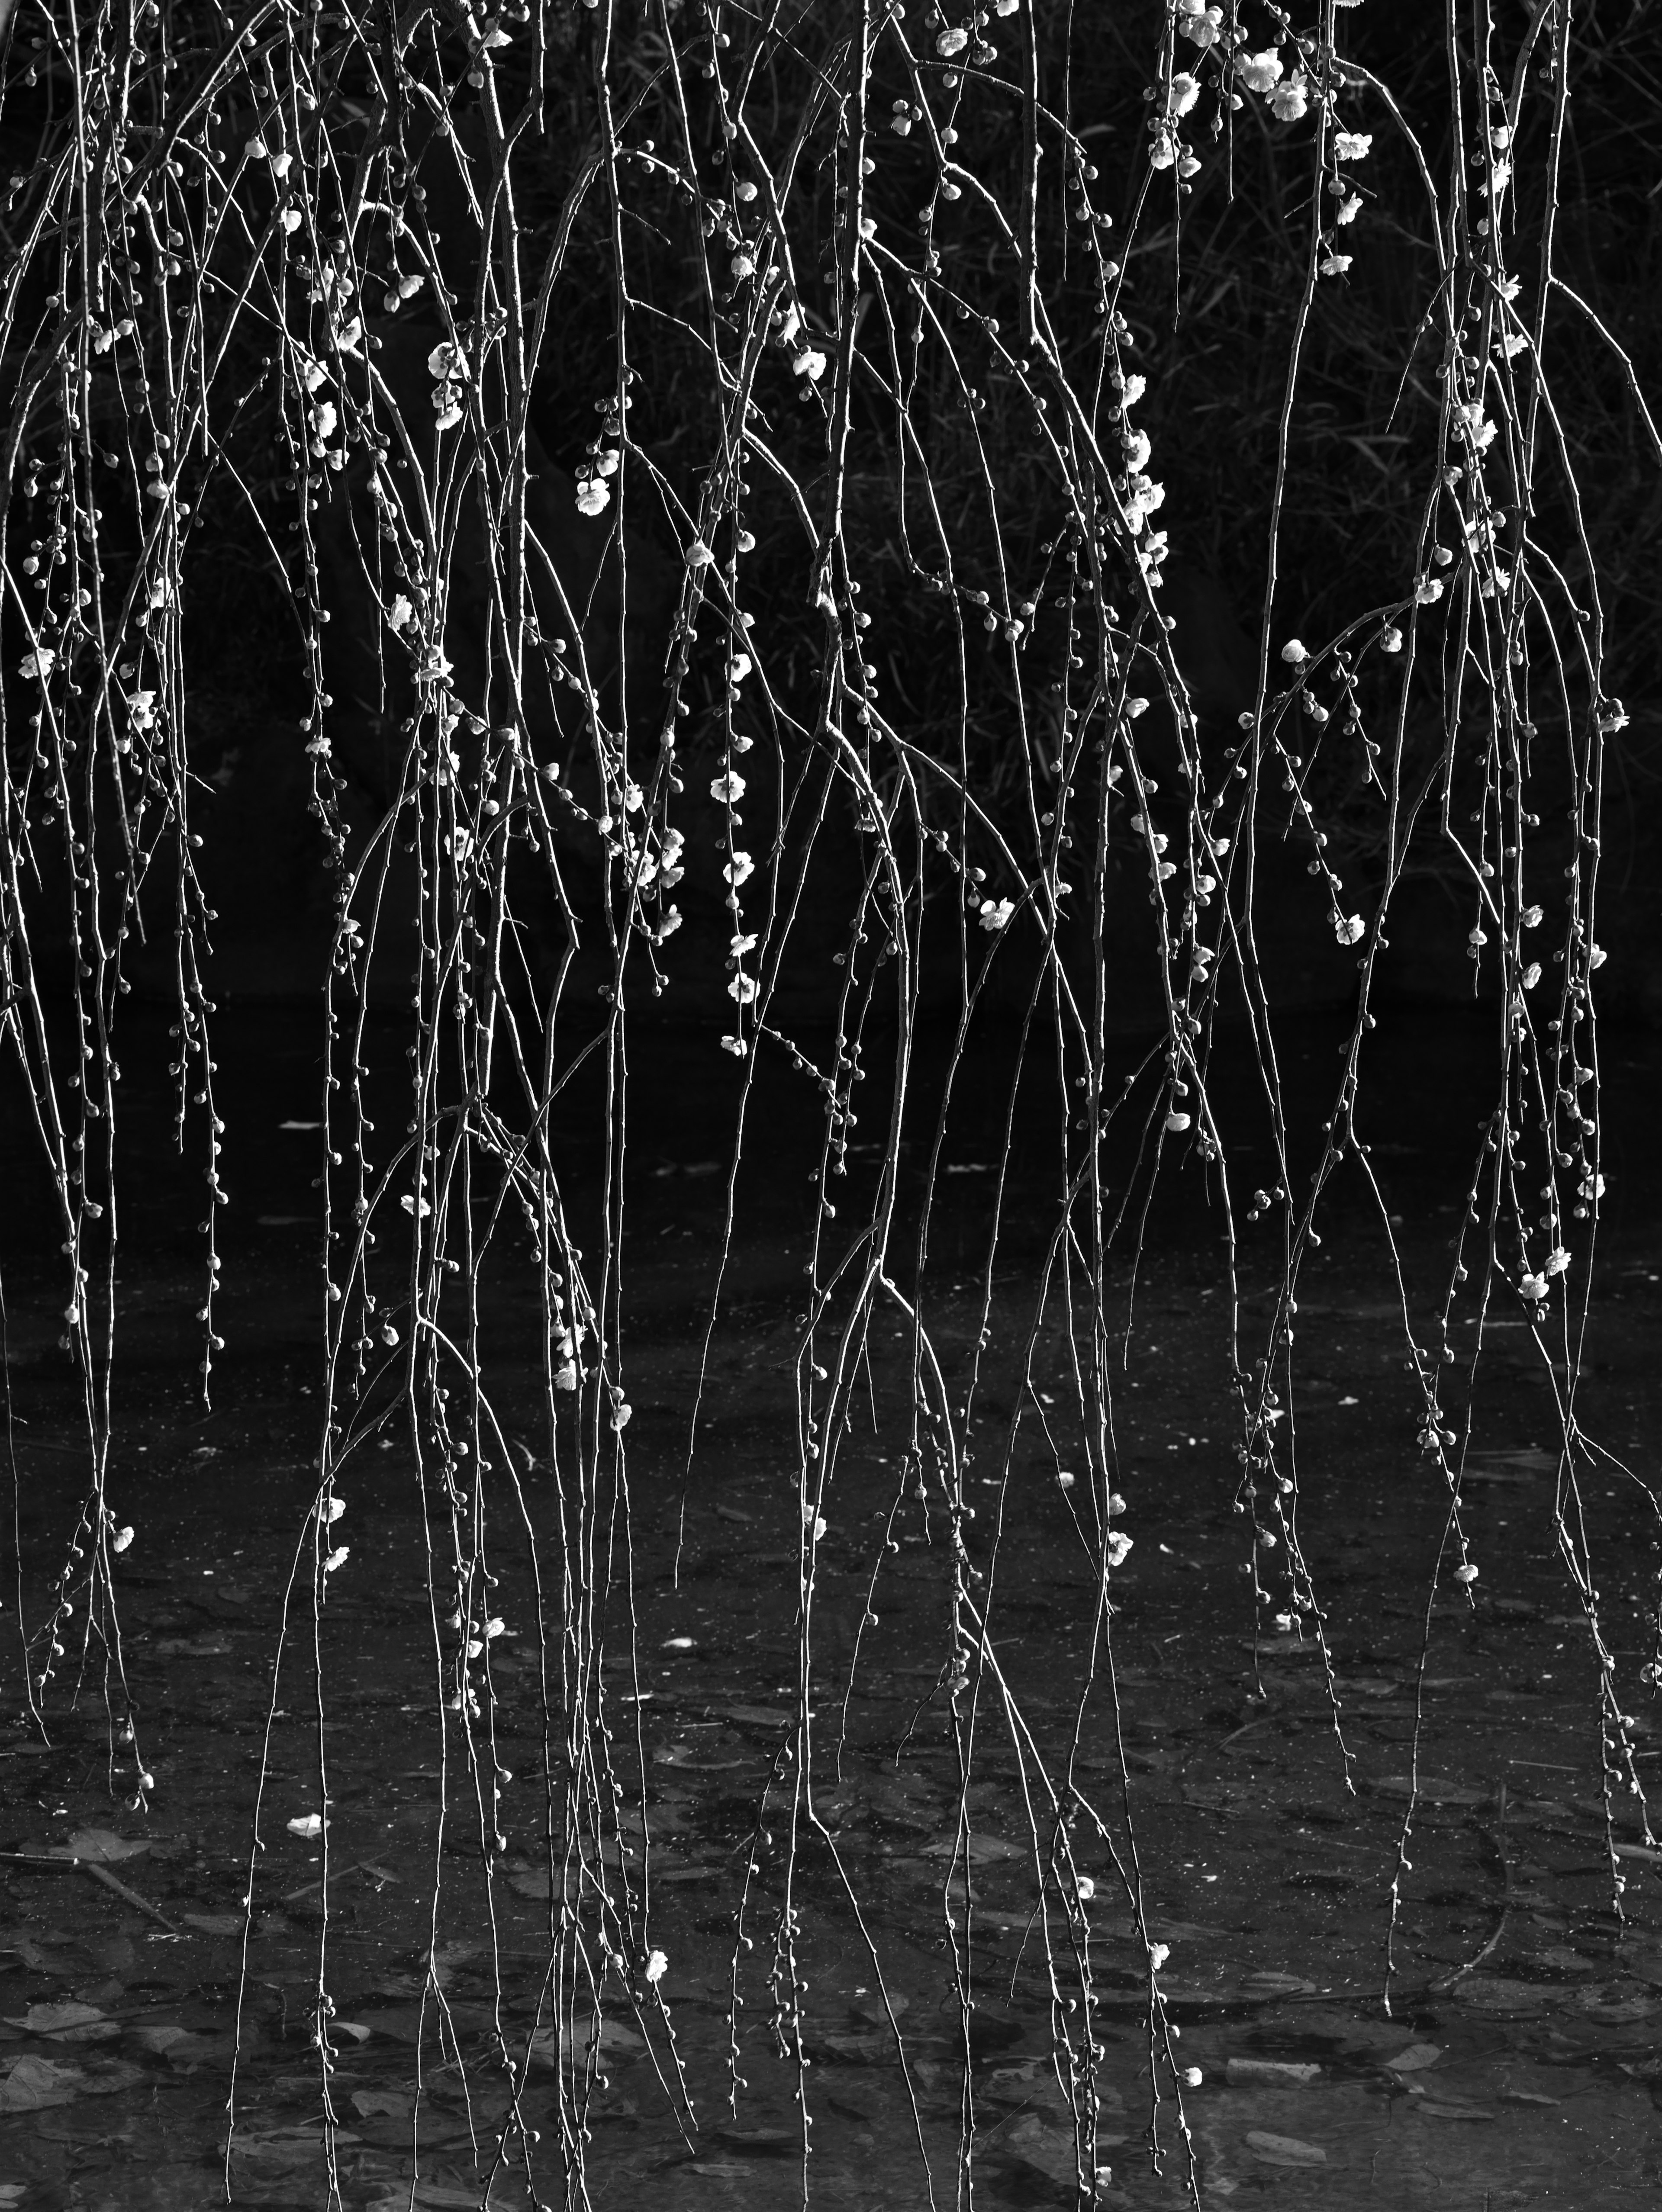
[980,1851]
[1430,1789]
[1040,2144]
[32,2084]
[182,2046]
[617,2041]
[760,2142]
[867,2047]
[102,1847]
[1492,1993]
[1436,2110]
[442,2196]
[1277,2073]
[214,1924]
[1283,2150]
[160,2036]
[53,2019]
[1618,2012]
[1032,2081]
[1416,2058]
[283,2149]
[382,2104]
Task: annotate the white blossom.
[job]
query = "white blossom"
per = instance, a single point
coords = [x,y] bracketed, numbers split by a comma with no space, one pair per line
[593,494]
[1199,25]
[728,789]
[1260,72]
[1352,145]
[1349,929]
[1290,103]
[996,912]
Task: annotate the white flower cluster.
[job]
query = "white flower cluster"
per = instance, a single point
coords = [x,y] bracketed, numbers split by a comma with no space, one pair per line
[1143,495]
[448,366]
[807,360]
[592,489]
[1289,96]
[727,790]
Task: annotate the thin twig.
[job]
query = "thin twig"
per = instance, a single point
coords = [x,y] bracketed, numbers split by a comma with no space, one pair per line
[98,1873]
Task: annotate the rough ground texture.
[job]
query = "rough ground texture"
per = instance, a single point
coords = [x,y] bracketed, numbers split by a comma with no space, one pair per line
[1265,1804]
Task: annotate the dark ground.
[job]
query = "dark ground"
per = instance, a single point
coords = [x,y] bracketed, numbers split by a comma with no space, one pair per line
[1527,2080]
